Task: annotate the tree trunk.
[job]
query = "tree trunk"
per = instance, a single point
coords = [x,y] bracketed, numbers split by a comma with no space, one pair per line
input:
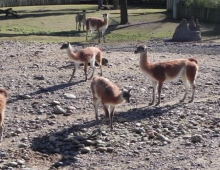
[124,12]
[115,4]
[100,4]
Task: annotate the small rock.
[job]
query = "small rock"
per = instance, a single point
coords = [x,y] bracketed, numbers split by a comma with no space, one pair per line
[59,110]
[102,149]
[110,149]
[147,158]
[41,77]
[18,130]
[57,164]
[85,150]
[52,138]
[75,141]
[22,145]
[163,138]
[80,145]
[69,96]
[138,124]
[196,138]
[208,83]
[139,130]
[25,96]
[79,138]
[12,164]
[88,142]
[3,154]
[21,162]
[121,120]
[55,102]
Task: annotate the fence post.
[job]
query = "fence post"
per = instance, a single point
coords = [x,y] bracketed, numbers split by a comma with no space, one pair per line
[175,9]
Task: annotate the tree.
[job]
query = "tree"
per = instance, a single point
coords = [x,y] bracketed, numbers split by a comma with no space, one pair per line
[116,4]
[100,4]
[124,12]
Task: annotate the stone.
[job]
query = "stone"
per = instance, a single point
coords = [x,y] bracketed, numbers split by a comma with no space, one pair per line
[196,138]
[69,96]
[88,142]
[3,154]
[101,149]
[59,110]
[52,138]
[121,120]
[55,102]
[85,150]
[21,162]
[75,142]
[162,138]
[110,149]
[57,164]
[18,130]
[12,164]
[22,145]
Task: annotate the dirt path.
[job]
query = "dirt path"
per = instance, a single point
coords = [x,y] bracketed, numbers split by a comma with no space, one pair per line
[36,77]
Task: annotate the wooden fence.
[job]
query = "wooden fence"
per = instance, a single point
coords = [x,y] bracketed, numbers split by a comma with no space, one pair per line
[11,3]
[211,15]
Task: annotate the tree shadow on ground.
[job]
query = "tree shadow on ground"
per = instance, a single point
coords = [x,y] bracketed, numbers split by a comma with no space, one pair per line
[44,13]
[61,141]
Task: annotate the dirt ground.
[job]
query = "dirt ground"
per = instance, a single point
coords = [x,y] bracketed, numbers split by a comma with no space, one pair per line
[50,123]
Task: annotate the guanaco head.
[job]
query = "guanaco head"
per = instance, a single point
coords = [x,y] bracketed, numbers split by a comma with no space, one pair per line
[126,95]
[105,16]
[140,49]
[4,92]
[65,45]
[84,11]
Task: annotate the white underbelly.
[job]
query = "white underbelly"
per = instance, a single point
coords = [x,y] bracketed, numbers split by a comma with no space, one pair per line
[149,75]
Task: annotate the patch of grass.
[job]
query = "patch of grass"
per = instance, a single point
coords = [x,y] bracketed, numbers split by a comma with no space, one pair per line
[56,23]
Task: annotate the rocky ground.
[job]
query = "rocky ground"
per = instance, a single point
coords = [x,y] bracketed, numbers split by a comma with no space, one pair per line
[50,123]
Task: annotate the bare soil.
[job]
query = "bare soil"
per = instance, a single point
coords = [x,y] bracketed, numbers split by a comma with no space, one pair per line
[144,137]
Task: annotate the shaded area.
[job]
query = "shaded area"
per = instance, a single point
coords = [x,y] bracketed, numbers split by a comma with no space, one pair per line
[42,90]
[9,11]
[62,142]
[46,13]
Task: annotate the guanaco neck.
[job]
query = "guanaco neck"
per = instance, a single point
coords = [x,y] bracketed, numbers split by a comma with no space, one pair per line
[84,17]
[144,59]
[106,21]
[71,53]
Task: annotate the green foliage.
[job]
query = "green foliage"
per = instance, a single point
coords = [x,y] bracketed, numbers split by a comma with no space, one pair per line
[203,3]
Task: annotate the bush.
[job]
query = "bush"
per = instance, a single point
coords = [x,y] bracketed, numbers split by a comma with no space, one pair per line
[203,3]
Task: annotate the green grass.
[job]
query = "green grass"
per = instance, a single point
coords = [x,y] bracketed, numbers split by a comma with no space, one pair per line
[57,24]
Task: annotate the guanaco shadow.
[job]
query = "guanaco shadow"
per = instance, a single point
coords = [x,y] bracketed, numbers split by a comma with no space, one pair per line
[64,138]
[43,90]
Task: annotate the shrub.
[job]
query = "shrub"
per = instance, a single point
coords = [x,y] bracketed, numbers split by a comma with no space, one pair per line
[203,3]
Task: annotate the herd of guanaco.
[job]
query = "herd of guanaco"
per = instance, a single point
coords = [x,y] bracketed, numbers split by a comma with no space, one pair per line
[105,91]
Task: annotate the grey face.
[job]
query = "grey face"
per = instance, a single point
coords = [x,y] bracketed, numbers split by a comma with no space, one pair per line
[64,46]
[84,11]
[140,49]
[127,95]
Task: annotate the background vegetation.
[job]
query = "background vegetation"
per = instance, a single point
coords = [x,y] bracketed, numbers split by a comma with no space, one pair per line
[56,23]
[204,3]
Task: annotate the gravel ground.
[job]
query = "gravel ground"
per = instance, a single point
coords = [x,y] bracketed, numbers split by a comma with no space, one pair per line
[51,124]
